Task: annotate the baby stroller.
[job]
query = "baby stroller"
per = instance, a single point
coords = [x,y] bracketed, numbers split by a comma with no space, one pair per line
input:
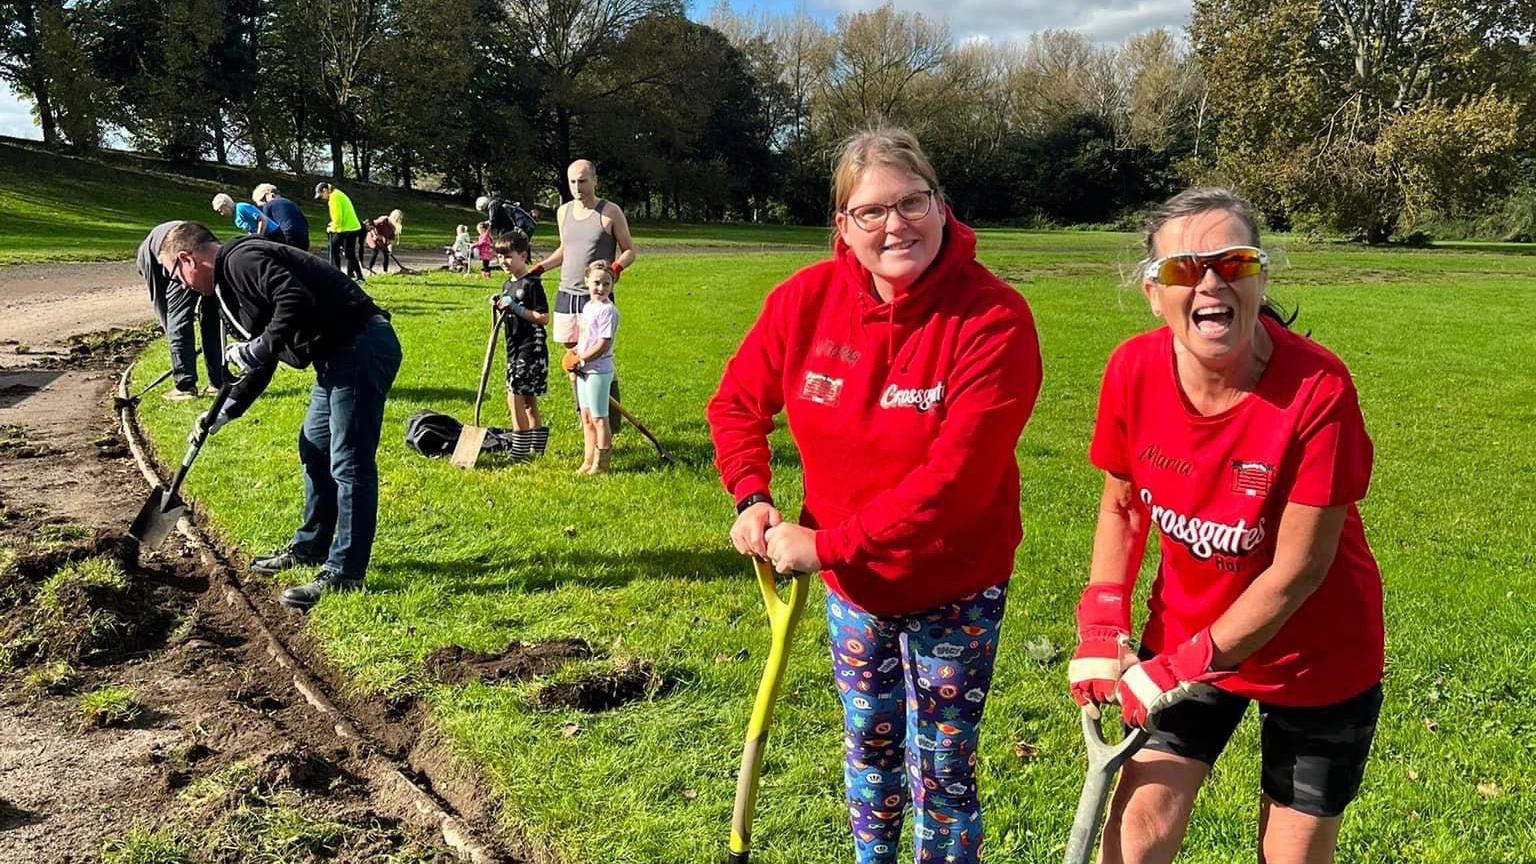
[458,259]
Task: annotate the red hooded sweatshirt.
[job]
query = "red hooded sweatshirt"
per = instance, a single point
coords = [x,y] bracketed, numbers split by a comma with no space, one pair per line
[906,415]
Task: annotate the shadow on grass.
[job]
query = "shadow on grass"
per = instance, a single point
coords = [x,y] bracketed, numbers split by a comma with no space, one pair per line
[429,395]
[544,571]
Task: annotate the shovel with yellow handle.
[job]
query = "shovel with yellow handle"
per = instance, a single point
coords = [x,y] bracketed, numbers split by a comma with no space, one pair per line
[782,617]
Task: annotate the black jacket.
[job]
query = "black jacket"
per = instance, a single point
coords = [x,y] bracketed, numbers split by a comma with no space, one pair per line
[285,305]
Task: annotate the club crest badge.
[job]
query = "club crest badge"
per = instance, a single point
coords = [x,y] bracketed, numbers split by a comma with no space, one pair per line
[821,389]
[1252,478]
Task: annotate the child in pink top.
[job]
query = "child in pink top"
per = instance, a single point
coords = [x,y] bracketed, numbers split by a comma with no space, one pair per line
[484,250]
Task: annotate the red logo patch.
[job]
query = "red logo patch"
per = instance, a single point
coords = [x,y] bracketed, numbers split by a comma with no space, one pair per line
[1252,478]
[821,389]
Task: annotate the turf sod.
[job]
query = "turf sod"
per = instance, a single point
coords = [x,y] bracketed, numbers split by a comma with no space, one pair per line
[638,564]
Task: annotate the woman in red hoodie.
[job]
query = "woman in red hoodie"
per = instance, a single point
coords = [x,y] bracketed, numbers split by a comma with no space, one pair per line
[906,371]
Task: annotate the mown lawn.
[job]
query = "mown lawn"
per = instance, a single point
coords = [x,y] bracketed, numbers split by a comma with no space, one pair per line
[56,207]
[637,563]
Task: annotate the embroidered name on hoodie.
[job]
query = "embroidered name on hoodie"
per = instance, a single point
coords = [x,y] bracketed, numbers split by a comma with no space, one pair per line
[920,398]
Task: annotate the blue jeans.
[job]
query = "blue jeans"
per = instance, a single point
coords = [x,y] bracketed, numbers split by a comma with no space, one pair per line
[338,446]
[182,307]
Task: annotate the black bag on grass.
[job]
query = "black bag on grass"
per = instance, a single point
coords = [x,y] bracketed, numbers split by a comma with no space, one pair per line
[432,434]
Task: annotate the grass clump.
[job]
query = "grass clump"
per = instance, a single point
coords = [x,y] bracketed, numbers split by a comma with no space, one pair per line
[143,846]
[109,706]
[54,678]
[56,534]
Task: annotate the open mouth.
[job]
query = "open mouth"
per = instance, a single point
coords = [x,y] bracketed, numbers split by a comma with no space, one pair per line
[898,245]
[1213,322]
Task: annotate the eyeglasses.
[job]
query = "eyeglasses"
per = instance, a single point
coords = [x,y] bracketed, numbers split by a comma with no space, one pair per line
[911,207]
[175,270]
[1187,269]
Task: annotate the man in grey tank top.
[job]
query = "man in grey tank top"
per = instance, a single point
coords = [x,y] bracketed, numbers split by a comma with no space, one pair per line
[591,229]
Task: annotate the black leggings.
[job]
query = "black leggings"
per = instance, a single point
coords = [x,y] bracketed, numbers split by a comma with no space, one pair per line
[348,243]
[373,257]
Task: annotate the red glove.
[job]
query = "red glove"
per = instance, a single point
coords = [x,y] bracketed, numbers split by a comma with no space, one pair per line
[1103,639]
[1167,679]
[616,268]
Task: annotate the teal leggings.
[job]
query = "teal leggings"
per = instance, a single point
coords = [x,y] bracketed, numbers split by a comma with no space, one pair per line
[592,393]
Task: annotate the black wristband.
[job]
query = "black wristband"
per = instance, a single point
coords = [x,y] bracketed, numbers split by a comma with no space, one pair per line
[754,498]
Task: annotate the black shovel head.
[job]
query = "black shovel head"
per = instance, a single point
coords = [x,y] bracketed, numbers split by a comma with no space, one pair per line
[157,518]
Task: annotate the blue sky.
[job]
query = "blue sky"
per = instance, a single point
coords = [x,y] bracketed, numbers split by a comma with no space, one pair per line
[1104,21]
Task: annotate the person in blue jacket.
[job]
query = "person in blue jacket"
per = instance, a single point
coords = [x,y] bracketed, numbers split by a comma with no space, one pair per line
[285,221]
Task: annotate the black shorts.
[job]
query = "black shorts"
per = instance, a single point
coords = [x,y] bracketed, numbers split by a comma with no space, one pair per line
[1313,759]
[528,367]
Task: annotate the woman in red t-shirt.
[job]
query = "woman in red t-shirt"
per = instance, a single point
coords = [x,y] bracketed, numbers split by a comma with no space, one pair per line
[1242,442]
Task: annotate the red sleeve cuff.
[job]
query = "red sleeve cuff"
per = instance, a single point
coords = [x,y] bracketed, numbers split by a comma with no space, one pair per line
[752,484]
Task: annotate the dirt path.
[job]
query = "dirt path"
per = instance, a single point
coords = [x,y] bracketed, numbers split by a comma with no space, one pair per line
[220,757]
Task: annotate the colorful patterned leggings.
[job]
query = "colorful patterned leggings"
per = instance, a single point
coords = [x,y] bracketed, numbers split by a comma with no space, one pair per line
[913,690]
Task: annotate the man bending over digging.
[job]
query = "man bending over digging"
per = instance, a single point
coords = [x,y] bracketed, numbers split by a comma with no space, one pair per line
[289,306]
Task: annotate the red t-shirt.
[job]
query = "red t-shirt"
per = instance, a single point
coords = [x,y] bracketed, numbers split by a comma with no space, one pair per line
[1215,488]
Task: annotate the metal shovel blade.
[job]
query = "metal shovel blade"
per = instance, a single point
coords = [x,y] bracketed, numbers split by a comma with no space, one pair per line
[467,451]
[157,518]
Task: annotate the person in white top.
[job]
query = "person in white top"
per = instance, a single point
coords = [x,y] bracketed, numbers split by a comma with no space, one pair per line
[591,361]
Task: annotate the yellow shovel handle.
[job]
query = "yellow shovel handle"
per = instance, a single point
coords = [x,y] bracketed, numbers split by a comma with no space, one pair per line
[782,617]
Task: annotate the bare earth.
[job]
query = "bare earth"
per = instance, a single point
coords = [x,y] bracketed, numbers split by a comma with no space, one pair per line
[212,702]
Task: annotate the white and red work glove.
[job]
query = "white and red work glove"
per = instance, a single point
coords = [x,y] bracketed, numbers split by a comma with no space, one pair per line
[1167,679]
[1103,645]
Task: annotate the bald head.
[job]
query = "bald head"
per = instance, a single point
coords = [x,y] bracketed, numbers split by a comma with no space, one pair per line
[582,177]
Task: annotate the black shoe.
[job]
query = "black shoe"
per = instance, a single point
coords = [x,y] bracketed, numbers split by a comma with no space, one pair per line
[305,596]
[287,559]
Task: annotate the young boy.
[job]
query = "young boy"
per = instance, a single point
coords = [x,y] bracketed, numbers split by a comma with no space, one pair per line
[526,308]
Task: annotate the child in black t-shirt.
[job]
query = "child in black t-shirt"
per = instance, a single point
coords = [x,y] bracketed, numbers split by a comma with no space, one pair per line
[526,308]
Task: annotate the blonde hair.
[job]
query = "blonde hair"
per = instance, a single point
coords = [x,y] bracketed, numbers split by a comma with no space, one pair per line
[483,227]
[883,147]
[263,191]
[221,200]
[598,267]
[462,229]
[397,219]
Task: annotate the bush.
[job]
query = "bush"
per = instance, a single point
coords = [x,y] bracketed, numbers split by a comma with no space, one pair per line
[1515,219]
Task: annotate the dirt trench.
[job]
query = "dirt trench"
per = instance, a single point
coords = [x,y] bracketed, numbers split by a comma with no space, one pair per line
[140,711]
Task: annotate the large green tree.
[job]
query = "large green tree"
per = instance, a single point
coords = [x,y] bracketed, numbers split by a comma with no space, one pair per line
[1305,91]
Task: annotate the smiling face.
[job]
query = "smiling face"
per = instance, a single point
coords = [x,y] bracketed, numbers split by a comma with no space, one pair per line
[599,284]
[1214,321]
[896,251]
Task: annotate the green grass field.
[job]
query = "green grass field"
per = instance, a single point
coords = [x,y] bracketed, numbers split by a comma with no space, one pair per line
[638,564]
[61,208]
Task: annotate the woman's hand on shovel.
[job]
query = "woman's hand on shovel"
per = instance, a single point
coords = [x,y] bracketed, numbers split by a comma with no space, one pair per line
[750,526]
[792,548]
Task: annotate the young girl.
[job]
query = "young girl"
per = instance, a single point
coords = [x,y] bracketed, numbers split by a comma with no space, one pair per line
[458,253]
[592,363]
[484,249]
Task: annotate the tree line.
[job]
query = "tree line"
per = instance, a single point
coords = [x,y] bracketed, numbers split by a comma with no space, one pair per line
[1368,118]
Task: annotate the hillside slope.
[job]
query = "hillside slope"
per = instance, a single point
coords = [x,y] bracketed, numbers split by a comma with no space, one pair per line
[58,207]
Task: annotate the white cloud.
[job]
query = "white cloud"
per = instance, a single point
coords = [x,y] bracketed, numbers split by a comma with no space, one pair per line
[16,116]
[1102,21]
